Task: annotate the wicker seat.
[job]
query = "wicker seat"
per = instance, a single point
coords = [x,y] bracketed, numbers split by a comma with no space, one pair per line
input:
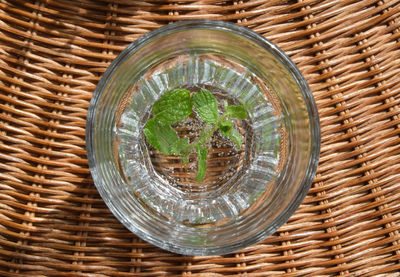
[54,223]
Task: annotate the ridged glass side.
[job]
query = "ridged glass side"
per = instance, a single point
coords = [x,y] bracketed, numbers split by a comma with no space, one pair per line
[235,180]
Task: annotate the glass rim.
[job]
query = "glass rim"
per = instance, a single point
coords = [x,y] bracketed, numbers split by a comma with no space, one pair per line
[315,136]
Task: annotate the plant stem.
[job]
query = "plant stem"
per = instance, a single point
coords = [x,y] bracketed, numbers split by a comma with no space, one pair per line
[204,139]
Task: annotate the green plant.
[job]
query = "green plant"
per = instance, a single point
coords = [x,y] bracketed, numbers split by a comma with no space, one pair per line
[176,105]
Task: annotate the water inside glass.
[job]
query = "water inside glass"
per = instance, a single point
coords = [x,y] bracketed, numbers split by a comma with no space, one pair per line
[236,179]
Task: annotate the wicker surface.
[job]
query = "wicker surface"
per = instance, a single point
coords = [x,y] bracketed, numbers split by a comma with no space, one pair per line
[52,220]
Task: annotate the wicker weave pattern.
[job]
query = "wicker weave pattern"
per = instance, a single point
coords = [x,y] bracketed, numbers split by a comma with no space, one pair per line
[52,220]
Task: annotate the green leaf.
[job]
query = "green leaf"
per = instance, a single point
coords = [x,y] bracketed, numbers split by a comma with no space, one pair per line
[225,126]
[206,105]
[182,148]
[233,135]
[173,106]
[238,112]
[248,106]
[201,162]
[161,137]
[236,137]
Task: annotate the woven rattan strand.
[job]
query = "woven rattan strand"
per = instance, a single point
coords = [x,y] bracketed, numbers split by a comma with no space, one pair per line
[52,220]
